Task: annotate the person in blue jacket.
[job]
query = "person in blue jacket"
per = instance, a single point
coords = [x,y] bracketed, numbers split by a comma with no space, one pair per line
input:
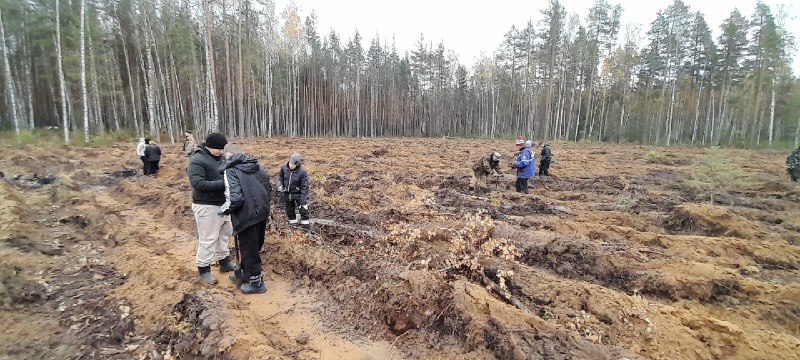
[526,167]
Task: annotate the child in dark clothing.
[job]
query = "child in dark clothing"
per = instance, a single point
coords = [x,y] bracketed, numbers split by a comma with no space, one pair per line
[293,183]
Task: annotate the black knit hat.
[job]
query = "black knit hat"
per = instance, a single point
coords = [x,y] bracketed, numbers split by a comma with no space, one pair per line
[216,141]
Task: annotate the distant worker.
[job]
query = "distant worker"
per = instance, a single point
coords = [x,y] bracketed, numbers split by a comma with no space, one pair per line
[544,163]
[793,164]
[526,167]
[485,166]
[208,196]
[152,154]
[293,183]
[189,144]
[247,199]
[140,153]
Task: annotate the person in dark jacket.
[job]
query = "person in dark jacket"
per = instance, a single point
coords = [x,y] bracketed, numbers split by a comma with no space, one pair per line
[487,165]
[544,163]
[208,196]
[526,167]
[293,183]
[152,154]
[793,164]
[247,198]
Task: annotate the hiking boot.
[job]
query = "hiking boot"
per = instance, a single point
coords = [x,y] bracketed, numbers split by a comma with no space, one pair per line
[226,265]
[255,286]
[205,275]
[292,221]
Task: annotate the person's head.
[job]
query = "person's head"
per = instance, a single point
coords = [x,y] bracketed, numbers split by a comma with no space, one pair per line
[232,149]
[295,160]
[187,133]
[146,140]
[519,142]
[496,156]
[215,143]
[528,144]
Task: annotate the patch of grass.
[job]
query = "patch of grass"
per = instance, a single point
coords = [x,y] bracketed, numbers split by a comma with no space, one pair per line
[625,202]
[55,137]
[713,171]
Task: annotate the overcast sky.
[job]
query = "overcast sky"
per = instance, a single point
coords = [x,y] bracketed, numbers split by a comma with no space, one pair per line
[472,27]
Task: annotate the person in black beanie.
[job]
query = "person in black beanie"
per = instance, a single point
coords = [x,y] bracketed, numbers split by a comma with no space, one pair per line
[208,196]
[152,154]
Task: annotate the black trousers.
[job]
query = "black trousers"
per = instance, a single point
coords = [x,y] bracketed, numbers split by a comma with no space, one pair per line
[544,166]
[145,165]
[291,206]
[522,185]
[794,174]
[251,240]
[152,167]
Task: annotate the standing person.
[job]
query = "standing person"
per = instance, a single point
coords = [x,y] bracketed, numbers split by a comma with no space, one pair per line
[544,164]
[189,144]
[208,196]
[486,165]
[247,197]
[519,143]
[152,154]
[293,183]
[526,167]
[793,164]
[140,153]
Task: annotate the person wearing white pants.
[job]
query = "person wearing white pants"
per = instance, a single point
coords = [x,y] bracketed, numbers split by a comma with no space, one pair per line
[213,232]
[208,195]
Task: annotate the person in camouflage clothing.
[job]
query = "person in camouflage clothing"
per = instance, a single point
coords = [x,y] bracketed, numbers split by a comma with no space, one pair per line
[489,164]
[793,164]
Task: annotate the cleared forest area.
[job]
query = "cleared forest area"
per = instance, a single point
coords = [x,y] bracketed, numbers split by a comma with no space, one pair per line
[622,253]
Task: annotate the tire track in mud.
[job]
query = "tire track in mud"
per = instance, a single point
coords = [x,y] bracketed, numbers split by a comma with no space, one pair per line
[229,324]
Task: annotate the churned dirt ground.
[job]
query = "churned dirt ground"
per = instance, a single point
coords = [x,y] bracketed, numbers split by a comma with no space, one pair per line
[617,255]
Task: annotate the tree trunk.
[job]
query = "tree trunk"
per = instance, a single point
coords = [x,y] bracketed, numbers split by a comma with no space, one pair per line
[213,120]
[83,73]
[150,84]
[240,85]
[62,86]
[12,96]
[697,112]
[772,113]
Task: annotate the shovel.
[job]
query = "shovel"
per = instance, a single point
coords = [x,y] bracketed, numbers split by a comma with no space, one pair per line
[237,272]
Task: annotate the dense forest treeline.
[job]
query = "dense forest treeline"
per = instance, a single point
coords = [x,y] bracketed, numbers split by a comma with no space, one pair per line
[159,67]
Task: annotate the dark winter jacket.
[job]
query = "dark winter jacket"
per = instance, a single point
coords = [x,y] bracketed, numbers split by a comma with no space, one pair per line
[486,165]
[793,161]
[152,152]
[208,187]
[526,167]
[247,191]
[295,183]
[547,154]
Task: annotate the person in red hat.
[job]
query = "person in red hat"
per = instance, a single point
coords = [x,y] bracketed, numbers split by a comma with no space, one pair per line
[519,143]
